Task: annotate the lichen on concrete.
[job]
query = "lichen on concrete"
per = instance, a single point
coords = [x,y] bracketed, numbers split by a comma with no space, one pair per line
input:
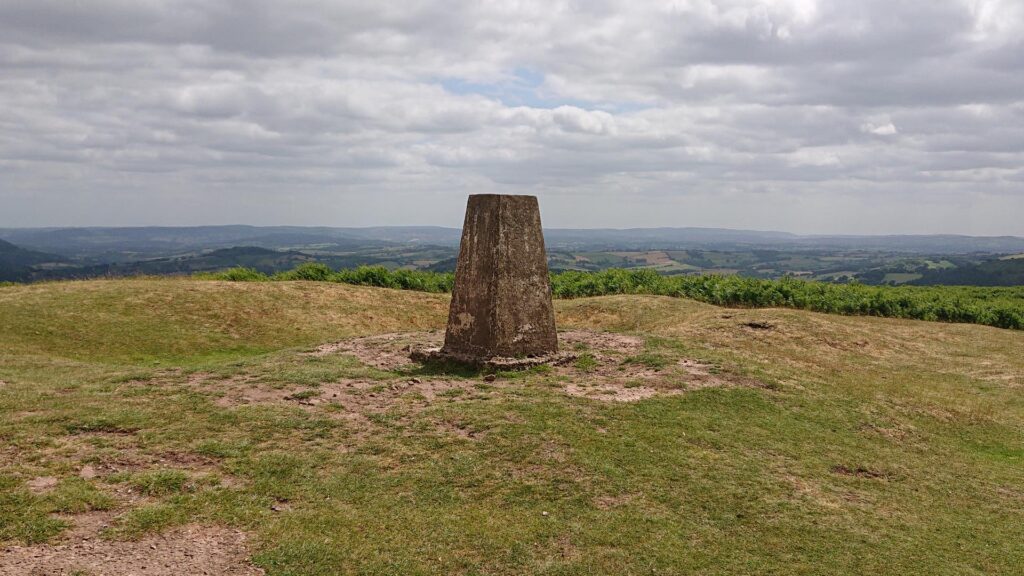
[501,303]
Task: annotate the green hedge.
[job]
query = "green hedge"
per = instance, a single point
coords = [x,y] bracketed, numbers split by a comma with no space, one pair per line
[1001,307]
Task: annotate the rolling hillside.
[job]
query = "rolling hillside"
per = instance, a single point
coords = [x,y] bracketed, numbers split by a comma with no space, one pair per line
[936,259]
[17,264]
[262,423]
[994,272]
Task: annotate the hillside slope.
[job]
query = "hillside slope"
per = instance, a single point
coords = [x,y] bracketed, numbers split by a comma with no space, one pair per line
[994,272]
[710,440]
[262,259]
[17,263]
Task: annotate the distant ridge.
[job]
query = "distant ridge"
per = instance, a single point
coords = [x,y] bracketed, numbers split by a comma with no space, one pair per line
[95,242]
[16,263]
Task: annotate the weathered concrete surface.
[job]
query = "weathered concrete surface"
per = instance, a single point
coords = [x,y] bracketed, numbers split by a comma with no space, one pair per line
[501,304]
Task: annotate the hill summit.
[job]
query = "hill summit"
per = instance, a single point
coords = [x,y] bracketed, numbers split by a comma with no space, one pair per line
[282,425]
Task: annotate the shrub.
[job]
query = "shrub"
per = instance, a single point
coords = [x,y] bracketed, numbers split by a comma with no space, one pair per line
[1002,307]
[236,274]
[312,271]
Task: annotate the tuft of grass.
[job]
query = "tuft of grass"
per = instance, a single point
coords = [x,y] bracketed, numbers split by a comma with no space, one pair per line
[304,395]
[75,496]
[28,517]
[161,482]
[586,362]
[217,448]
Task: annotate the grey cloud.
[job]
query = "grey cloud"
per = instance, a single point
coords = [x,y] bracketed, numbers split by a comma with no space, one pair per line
[691,112]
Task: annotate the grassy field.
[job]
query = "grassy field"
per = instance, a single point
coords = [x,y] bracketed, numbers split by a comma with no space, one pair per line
[814,444]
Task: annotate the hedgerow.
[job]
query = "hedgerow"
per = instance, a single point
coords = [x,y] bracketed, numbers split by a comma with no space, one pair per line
[1000,307]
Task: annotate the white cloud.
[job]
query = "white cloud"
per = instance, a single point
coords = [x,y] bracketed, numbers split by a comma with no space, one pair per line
[885,128]
[357,113]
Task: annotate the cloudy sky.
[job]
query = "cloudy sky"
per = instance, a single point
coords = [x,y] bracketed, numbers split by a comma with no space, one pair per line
[813,116]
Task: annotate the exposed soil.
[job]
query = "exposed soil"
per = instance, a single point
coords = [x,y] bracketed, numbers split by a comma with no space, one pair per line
[189,550]
[616,374]
[112,453]
[610,371]
[356,399]
[82,550]
[392,351]
[384,351]
[601,341]
[41,484]
[859,472]
[615,393]
[609,502]
[435,356]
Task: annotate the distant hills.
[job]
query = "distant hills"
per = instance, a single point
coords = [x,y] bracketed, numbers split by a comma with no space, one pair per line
[28,254]
[264,260]
[17,264]
[121,244]
[996,272]
[109,244]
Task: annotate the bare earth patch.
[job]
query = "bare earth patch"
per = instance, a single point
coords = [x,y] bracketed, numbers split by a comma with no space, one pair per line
[609,502]
[42,484]
[384,351]
[600,341]
[611,373]
[189,550]
[113,453]
[610,376]
[615,393]
[353,398]
[615,374]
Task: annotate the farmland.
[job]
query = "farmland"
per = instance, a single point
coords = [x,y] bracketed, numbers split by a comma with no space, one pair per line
[33,255]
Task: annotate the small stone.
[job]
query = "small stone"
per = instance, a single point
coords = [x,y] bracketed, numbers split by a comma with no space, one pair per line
[415,381]
[490,378]
[544,513]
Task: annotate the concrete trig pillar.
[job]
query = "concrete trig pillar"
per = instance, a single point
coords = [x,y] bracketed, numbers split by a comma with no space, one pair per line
[501,303]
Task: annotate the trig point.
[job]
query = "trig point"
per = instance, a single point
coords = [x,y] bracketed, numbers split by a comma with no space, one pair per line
[501,304]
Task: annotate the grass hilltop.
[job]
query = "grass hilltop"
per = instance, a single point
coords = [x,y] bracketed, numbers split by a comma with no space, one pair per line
[249,427]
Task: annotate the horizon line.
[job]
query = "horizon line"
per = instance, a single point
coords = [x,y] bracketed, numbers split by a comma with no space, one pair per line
[553,228]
